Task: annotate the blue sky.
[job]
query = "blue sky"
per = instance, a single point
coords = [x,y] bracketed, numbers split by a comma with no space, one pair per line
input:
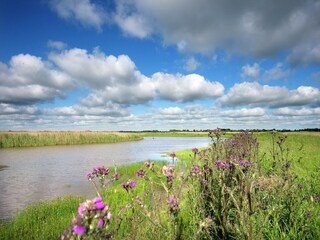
[171,64]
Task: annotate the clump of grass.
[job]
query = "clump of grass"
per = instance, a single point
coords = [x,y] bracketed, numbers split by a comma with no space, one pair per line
[34,139]
[44,220]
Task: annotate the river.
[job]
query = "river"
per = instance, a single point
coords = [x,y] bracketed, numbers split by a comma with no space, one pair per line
[44,173]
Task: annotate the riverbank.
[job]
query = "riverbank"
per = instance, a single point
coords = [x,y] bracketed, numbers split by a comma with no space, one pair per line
[298,195]
[52,138]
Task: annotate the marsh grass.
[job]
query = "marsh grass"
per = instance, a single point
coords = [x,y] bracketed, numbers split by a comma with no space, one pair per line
[35,139]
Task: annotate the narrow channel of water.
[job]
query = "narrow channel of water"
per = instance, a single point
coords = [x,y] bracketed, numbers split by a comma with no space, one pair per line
[43,173]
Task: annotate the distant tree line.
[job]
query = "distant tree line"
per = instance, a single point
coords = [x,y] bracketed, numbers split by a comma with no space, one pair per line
[230,130]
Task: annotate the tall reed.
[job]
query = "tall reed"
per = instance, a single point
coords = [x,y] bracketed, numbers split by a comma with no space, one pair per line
[34,139]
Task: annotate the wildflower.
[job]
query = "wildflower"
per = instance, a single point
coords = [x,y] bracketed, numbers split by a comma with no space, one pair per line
[167,169]
[89,176]
[100,223]
[115,176]
[90,212]
[173,155]
[195,170]
[170,178]
[140,173]
[173,205]
[129,184]
[204,182]
[109,216]
[244,163]
[221,164]
[79,230]
[81,208]
[147,164]
[97,199]
[99,205]
[195,150]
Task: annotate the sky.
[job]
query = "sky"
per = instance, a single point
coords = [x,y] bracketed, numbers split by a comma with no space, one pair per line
[159,65]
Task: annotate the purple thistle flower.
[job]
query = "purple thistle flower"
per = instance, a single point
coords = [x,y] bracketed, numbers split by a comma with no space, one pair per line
[173,155]
[99,205]
[195,150]
[79,230]
[129,184]
[204,182]
[82,208]
[133,184]
[140,173]
[100,223]
[173,205]
[147,164]
[106,171]
[97,199]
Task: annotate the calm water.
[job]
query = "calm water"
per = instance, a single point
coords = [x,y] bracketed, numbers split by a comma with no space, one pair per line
[44,173]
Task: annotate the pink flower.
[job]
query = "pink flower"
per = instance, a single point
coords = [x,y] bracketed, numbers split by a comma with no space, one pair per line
[100,223]
[109,216]
[79,230]
[97,199]
[81,208]
[99,205]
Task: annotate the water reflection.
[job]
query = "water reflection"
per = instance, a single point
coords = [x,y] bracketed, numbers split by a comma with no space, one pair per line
[44,173]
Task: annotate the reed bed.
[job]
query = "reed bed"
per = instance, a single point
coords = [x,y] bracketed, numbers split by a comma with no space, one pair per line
[36,139]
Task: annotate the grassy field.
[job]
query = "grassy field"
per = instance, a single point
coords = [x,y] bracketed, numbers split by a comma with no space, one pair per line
[36,139]
[287,211]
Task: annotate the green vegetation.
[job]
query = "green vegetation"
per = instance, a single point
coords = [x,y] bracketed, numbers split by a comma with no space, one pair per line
[45,220]
[236,189]
[36,139]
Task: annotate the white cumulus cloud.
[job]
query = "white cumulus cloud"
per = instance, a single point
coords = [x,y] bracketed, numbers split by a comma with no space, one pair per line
[28,79]
[185,88]
[254,94]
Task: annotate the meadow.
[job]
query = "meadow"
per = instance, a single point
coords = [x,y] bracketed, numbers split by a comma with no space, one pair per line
[251,186]
[50,138]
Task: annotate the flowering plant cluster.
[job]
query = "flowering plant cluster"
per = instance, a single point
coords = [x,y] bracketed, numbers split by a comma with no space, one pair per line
[92,221]
[174,205]
[130,184]
[223,193]
[168,171]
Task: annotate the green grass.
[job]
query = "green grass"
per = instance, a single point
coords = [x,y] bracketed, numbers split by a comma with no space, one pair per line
[36,139]
[45,220]
[304,151]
